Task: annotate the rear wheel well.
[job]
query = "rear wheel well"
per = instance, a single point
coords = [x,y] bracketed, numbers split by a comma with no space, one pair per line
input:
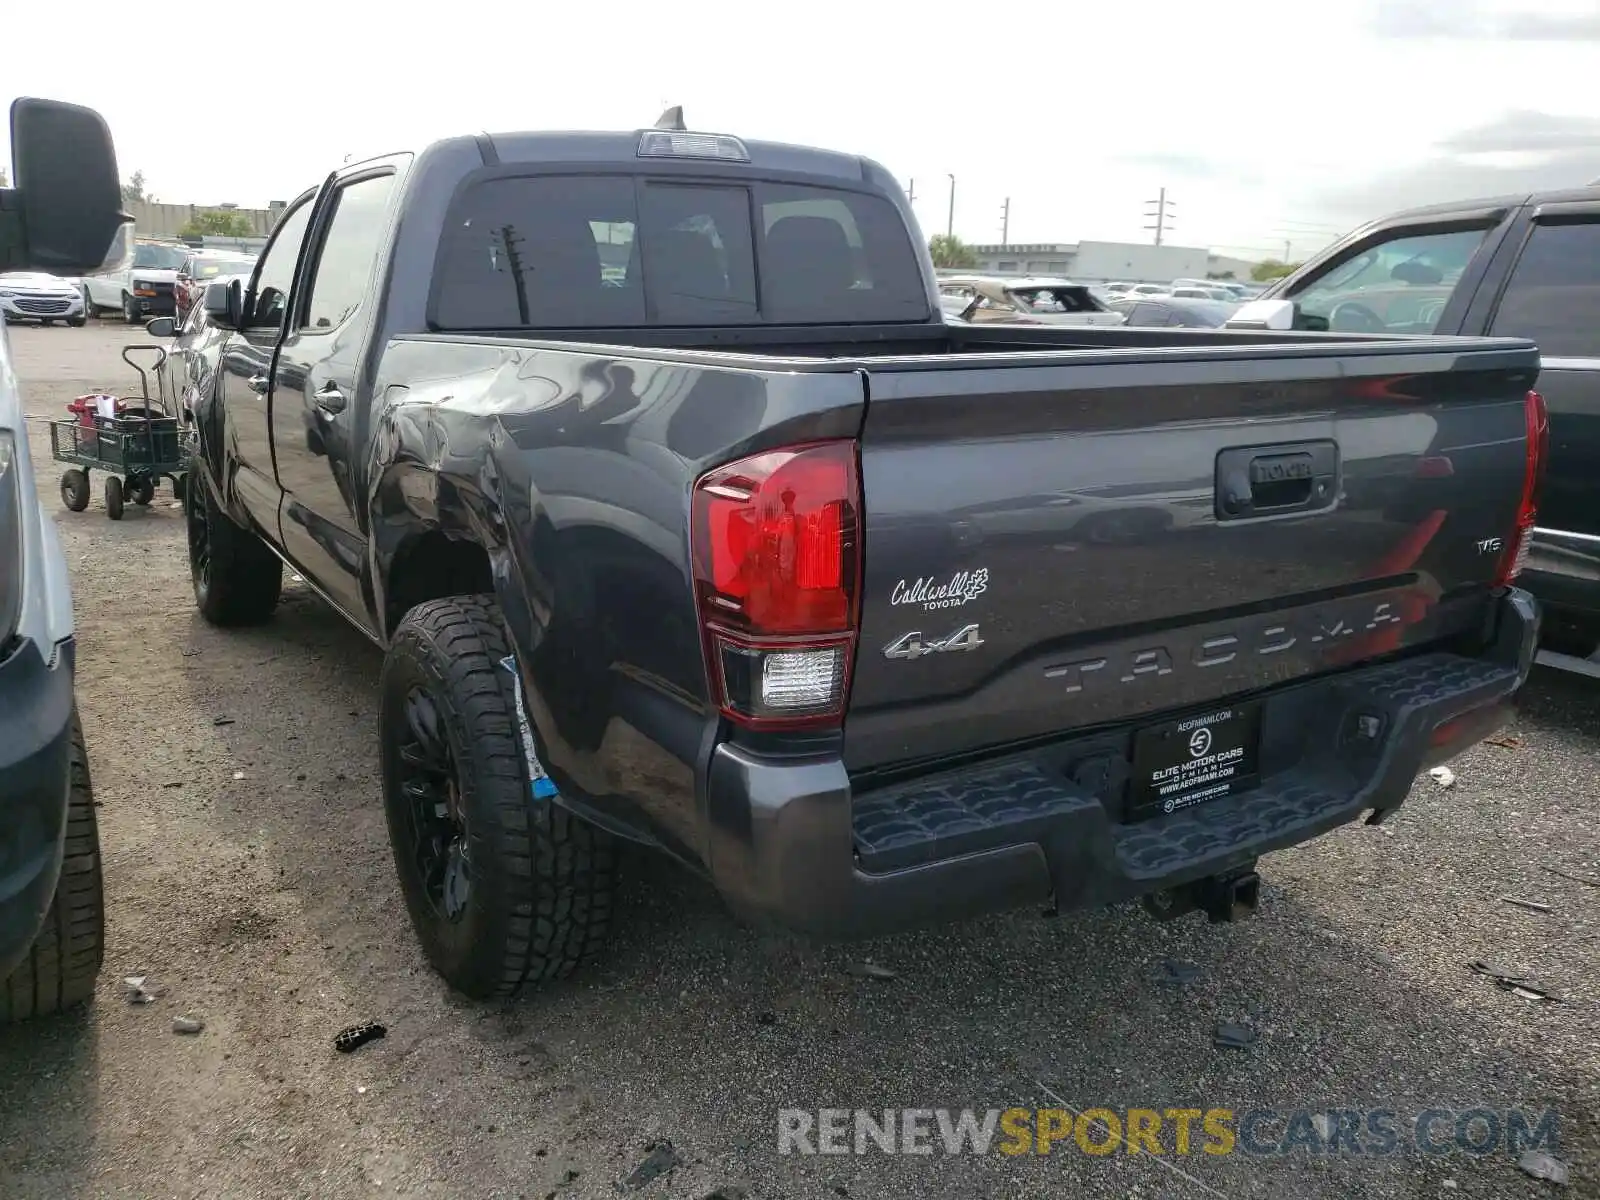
[431,567]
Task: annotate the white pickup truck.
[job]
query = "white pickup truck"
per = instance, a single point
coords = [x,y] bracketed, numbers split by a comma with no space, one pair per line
[142,289]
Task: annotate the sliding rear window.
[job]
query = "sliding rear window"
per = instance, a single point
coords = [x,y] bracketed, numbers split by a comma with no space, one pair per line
[614,251]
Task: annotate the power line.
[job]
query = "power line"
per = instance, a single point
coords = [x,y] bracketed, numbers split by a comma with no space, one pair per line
[1157,208]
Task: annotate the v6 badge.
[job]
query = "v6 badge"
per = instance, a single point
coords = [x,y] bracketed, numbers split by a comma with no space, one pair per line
[913,645]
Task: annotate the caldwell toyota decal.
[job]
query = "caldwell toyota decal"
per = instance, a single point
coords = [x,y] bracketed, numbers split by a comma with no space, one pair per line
[931,594]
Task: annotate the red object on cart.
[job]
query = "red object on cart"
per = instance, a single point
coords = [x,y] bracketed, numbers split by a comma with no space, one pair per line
[87,408]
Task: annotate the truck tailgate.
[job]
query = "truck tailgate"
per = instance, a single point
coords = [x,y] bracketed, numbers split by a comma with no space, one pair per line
[1052,546]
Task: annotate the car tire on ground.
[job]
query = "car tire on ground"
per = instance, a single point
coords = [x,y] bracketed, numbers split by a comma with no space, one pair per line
[90,308]
[237,579]
[130,309]
[113,497]
[75,488]
[61,969]
[77,322]
[504,890]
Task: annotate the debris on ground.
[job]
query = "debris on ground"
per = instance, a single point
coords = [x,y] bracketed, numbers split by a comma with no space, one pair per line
[1509,742]
[357,1036]
[1530,905]
[1443,776]
[1234,1037]
[1543,1166]
[1515,982]
[728,1191]
[1177,971]
[189,1025]
[222,720]
[1586,880]
[867,970]
[137,992]
[661,1159]
[238,774]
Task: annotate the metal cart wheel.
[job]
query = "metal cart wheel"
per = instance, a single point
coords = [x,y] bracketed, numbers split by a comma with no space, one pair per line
[144,490]
[113,497]
[75,489]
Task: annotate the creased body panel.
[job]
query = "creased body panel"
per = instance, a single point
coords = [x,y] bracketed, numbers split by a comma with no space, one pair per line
[574,469]
[1054,547]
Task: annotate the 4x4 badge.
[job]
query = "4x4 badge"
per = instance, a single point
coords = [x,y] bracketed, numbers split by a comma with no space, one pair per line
[912,645]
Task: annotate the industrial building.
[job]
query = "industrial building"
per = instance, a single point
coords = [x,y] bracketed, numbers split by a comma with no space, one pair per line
[1104,262]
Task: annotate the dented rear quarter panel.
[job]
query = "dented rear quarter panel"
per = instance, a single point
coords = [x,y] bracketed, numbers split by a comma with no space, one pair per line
[573,469]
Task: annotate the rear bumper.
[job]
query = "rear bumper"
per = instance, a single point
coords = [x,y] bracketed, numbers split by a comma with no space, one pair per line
[790,844]
[35,749]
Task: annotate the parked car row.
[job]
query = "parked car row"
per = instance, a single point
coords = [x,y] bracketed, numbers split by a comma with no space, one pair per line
[163,279]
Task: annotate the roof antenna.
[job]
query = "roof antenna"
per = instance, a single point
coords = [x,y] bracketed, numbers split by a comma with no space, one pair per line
[672,119]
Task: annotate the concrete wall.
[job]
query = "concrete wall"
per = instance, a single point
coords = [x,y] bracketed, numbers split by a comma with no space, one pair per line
[164,220]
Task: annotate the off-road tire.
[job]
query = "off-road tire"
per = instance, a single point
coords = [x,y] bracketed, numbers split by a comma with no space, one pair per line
[62,966]
[144,491]
[237,579]
[114,497]
[542,879]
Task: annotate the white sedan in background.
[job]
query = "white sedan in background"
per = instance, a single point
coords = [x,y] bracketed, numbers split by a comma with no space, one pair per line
[34,296]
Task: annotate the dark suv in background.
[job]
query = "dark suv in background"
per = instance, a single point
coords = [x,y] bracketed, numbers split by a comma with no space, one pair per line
[1520,266]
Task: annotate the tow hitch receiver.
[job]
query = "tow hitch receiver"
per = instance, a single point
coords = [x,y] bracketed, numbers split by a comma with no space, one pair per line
[1222,898]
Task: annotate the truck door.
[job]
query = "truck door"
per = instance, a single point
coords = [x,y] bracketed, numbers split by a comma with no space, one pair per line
[245,372]
[314,391]
[1553,297]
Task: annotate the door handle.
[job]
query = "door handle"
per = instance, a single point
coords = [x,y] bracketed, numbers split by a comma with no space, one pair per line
[329,398]
[258,383]
[1257,481]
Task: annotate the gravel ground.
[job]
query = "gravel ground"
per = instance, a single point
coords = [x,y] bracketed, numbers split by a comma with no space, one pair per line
[267,906]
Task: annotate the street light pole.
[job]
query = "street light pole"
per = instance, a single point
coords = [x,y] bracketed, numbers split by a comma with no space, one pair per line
[950,220]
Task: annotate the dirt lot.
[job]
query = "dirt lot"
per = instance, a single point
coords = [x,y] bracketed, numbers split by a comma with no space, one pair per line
[248,877]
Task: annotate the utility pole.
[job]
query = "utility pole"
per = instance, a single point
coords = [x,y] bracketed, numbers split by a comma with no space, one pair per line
[911,191]
[1005,221]
[1288,255]
[950,220]
[1157,208]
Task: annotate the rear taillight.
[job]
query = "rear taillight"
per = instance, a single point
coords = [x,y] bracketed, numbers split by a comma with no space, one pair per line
[1515,555]
[777,560]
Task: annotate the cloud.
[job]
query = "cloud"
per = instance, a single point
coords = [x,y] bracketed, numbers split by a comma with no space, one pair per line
[1524,131]
[1192,167]
[1521,151]
[1467,20]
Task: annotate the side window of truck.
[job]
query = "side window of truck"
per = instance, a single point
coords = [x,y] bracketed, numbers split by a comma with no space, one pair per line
[1400,285]
[1553,295]
[275,276]
[349,248]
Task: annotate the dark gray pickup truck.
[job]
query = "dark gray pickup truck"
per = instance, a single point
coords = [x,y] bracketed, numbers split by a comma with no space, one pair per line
[682,517]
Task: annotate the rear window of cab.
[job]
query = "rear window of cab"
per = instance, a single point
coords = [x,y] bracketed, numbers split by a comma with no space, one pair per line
[576,251]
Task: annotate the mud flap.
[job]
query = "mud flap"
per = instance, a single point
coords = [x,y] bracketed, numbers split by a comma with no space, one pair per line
[543,789]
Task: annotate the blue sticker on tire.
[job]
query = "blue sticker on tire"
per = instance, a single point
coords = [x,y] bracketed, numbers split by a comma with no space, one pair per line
[543,789]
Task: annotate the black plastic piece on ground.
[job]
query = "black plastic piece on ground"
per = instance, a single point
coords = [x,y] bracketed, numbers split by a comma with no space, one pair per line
[357,1036]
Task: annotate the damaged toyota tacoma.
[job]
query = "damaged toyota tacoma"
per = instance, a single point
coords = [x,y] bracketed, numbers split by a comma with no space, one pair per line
[682,517]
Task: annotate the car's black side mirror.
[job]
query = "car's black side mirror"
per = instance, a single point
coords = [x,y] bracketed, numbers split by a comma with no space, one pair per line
[224,303]
[162,327]
[65,213]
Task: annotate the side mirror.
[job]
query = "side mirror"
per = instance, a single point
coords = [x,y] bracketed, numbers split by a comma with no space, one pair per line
[224,303]
[1275,315]
[64,215]
[162,327]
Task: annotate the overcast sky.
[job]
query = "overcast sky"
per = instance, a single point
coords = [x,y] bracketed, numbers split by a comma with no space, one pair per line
[1266,121]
